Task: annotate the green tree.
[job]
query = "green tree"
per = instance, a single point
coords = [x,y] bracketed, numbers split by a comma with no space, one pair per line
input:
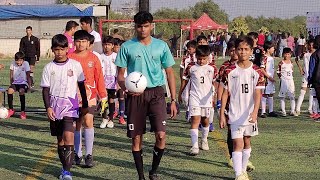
[74,1]
[239,24]
[212,9]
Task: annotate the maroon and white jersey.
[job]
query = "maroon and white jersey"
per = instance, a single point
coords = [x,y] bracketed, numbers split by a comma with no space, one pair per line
[268,64]
[241,85]
[201,79]
[187,60]
[285,70]
[222,68]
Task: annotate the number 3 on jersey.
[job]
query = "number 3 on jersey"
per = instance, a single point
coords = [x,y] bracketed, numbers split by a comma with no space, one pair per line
[202,79]
[245,88]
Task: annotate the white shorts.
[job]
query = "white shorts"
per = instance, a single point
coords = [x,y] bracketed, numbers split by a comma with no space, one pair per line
[286,87]
[199,111]
[270,88]
[239,131]
[304,82]
[312,92]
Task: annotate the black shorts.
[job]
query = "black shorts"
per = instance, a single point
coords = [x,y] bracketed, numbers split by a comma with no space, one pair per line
[17,87]
[57,127]
[120,94]
[31,60]
[91,110]
[112,93]
[151,103]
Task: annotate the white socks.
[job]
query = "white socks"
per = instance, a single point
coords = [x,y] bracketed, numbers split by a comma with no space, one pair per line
[263,105]
[310,102]
[237,162]
[282,105]
[292,104]
[211,115]
[245,158]
[194,137]
[205,132]
[300,99]
[270,104]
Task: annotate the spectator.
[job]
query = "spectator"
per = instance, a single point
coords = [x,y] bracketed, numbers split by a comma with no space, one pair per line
[71,28]
[301,45]
[174,42]
[283,43]
[261,38]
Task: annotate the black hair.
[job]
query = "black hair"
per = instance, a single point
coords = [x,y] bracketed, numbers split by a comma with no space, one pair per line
[192,43]
[203,50]
[301,36]
[267,45]
[81,35]
[70,25]
[246,39]
[91,39]
[86,19]
[115,31]
[107,39]
[59,40]
[231,44]
[253,35]
[143,17]
[117,41]
[19,55]
[28,27]
[201,37]
[286,50]
[317,42]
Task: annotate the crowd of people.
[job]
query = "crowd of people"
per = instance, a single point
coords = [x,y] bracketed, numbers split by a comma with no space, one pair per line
[88,75]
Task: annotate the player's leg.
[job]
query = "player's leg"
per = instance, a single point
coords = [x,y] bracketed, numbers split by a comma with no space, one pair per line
[68,139]
[112,107]
[310,102]
[89,135]
[250,131]
[32,63]
[158,116]
[238,145]
[78,141]
[22,102]
[205,128]
[230,146]
[292,104]
[282,95]
[136,127]
[121,106]
[263,105]
[11,90]
[270,105]
[302,94]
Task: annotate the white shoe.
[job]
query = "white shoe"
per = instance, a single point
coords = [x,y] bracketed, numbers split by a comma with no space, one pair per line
[194,151]
[204,145]
[110,124]
[293,113]
[104,123]
[283,114]
[242,177]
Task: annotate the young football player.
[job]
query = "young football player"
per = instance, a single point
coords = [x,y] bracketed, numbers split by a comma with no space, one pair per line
[20,81]
[95,87]
[202,76]
[243,82]
[267,67]
[285,73]
[61,79]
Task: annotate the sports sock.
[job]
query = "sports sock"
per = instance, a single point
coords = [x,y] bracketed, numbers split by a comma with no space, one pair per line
[69,156]
[211,115]
[270,104]
[78,143]
[315,105]
[282,105]
[230,143]
[31,77]
[263,105]
[205,132]
[23,102]
[121,107]
[245,158]
[194,137]
[300,99]
[310,102]
[237,162]
[157,155]
[61,153]
[112,107]
[292,104]
[10,101]
[88,138]
[138,160]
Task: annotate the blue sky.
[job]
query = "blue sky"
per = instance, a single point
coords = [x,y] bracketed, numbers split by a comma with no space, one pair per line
[267,8]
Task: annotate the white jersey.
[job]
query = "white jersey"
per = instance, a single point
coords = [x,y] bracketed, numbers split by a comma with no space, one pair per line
[20,72]
[306,60]
[268,65]
[285,70]
[97,37]
[110,70]
[201,88]
[241,85]
[62,79]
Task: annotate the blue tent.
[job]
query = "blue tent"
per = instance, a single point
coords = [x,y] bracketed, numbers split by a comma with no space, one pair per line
[44,11]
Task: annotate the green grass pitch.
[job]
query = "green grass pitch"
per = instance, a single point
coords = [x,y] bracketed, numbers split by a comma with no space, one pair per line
[286,148]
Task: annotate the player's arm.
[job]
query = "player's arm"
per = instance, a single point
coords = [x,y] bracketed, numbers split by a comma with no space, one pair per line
[181,74]
[11,76]
[99,80]
[46,100]
[82,89]
[257,100]
[121,79]
[29,78]
[21,47]
[172,87]
[224,99]
[182,87]
[264,72]
[300,68]
[38,50]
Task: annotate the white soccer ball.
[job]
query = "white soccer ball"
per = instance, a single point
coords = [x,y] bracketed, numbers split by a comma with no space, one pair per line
[3,112]
[136,82]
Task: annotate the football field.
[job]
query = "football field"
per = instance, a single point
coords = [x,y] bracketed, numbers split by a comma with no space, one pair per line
[286,148]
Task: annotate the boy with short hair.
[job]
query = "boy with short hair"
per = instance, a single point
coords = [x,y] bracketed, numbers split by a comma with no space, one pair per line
[20,81]
[71,28]
[95,87]
[305,73]
[60,81]
[267,68]
[243,82]
[258,51]
[202,76]
[285,73]
[117,44]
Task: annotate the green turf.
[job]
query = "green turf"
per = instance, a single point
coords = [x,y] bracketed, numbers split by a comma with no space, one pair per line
[286,148]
